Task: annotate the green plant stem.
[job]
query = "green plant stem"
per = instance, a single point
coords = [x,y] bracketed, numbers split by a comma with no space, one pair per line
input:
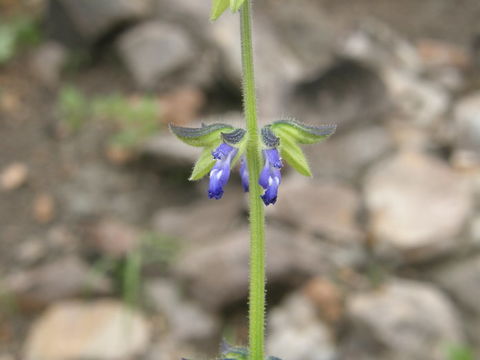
[257,215]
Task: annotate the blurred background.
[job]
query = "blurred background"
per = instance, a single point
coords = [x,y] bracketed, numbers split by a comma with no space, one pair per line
[107,251]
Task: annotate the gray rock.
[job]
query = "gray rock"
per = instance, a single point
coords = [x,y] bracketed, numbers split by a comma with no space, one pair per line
[279,62]
[399,65]
[296,333]
[419,101]
[191,14]
[170,151]
[289,255]
[417,206]
[48,61]
[100,330]
[277,69]
[378,45]
[168,350]
[14,176]
[347,156]
[303,20]
[348,94]
[475,231]
[186,321]
[225,34]
[96,189]
[114,238]
[88,20]
[153,50]
[201,222]
[64,278]
[467,124]
[31,250]
[462,280]
[322,208]
[402,320]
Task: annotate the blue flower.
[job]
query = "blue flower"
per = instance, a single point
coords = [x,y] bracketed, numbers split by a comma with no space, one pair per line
[270,177]
[244,174]
[221,170]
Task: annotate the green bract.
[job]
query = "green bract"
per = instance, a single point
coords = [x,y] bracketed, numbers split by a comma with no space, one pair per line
[204,136]
[219,7]
[290,133]
[203,165]
[301,133]
[209,137]
[235,5]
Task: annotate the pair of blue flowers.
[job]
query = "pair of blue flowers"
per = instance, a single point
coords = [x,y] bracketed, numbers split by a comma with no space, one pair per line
[224,145]
[270,176]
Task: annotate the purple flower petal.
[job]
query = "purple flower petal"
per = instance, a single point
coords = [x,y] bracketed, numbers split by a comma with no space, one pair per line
[222,151]
[220,172]
[271,192]
[273,157]
[244,174]
[270,177]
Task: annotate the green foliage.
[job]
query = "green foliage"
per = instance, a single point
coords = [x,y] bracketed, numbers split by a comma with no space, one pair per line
[154,249]
[218,8]
[294,156]
[73,107]
[16,33]
[203,165]
[301,133]
[134,120]
[459,352]
[132,277]
[205,136]
[291,133]
[159,249]
[210,137]
[235,5]
[8,304]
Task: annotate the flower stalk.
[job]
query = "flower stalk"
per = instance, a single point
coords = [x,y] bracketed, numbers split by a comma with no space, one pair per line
[262,154]
[257,213]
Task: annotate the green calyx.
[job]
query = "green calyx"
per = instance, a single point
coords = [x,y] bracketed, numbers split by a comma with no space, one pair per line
[289,134]
[220,6]
[209,137]
[301,133]
[204,136]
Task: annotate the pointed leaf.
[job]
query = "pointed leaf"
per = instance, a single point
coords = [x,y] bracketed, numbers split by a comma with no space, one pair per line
[235,5]
[218,8]
[203,136]
[203,165]
[301,133]
[294,156]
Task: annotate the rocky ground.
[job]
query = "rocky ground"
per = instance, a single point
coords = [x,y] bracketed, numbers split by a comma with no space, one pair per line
[107,252]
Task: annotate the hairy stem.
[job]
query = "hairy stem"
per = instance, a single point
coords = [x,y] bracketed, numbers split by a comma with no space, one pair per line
[257,215]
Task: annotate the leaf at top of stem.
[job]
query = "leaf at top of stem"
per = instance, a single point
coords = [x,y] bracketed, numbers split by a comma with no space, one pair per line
[301,133]
[218,8]
[204,136]
[235,5]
